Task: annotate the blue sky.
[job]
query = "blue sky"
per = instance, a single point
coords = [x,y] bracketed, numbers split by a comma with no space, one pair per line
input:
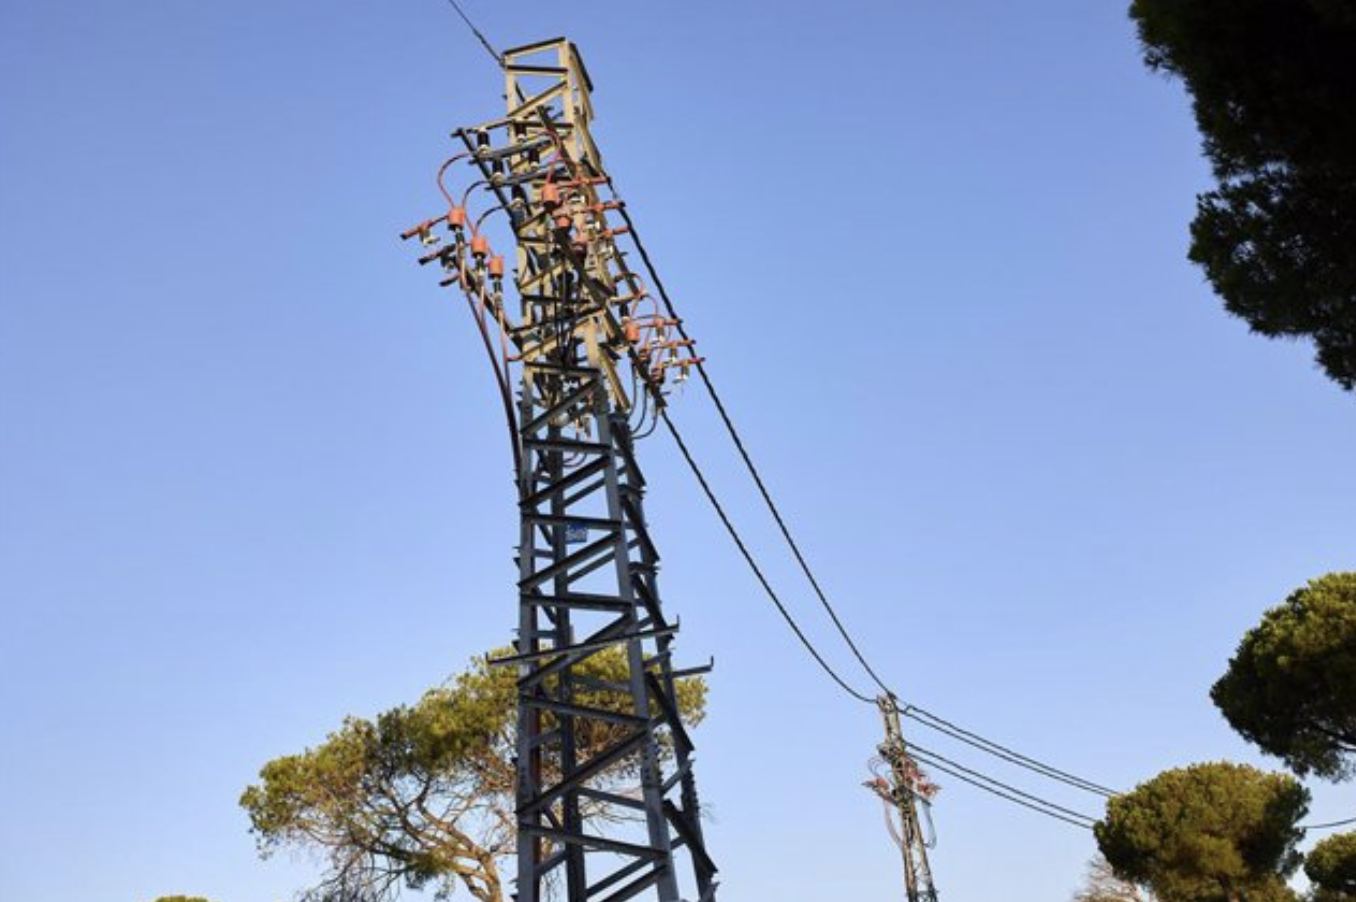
[252,475]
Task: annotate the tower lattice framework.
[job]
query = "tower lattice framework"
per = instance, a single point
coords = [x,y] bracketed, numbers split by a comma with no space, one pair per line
[607,805]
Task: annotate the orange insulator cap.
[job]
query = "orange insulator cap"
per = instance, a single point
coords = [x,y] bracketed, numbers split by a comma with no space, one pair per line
[480,245]
[632,330]
[497,267]
[563,221]
[456,217]
[550,195]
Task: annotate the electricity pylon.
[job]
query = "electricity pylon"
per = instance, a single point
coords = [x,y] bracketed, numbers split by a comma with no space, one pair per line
[902,790]
[589,356]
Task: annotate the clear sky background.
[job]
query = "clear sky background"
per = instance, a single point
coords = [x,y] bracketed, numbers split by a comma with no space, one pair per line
[253,476]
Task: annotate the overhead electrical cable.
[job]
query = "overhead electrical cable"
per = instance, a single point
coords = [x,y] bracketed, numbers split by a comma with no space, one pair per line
[748,460]
[1011,798]
[932,759]
[498,57]
[753,564]
[973,739]
[925,755]
[1328,826]
[941,725]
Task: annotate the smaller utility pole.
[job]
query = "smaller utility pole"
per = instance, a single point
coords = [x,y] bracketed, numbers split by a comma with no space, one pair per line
[901,790]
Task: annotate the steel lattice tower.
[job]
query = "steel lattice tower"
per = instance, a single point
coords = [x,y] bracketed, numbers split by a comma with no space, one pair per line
[590,361]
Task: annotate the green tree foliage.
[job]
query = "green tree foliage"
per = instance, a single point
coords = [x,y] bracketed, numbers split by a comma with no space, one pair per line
[1291,686]
[422,796]
[1215,832]
[1331,868]
[1274,88]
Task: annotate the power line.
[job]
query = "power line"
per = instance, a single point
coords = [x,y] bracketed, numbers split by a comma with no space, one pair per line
[1014,799]
[1329,826]
[498,57]
[917,714]
[1009,792]
[980,742]
[933,759]
[988,779]
[753,565]
[941,725]
[748,460]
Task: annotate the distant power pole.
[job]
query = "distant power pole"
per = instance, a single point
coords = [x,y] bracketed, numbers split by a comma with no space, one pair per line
[902,788]
[582,356]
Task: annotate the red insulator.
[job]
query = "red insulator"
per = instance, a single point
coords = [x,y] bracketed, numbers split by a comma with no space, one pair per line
[480,245]
[497,267]
[550,196]
[631,329]
[456,217]
[563,221]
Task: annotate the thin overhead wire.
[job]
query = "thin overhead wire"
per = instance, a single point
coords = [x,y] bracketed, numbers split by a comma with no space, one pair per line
[941,725]
[977,741]
[753,564]
[1011,798]
[748,461]
[931,757]
[489,48]
[1328,826]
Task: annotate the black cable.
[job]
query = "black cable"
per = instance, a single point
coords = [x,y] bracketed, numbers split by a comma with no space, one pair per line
[753,565]
[947,728]
[980,742]
[748,461]
[498,57]
[992,748]
[925,754]
[1350,820]
[1014,799]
